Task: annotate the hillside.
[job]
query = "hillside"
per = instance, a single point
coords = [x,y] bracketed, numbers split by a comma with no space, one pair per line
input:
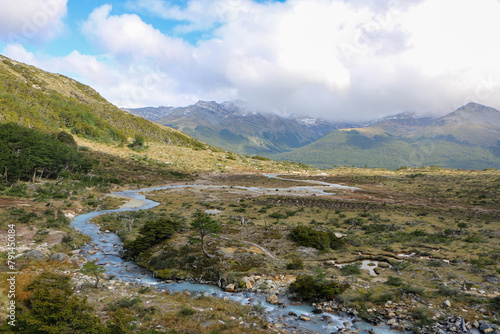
[52,102]
[231,126]
[466,138]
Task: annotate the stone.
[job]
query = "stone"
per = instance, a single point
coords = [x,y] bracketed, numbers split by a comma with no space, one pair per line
[36,255]
[272,299]
[391,315]
[483,327]
[61,257]
[475,324]
[229,288]
[249,285]
[398,327]
[391,321]
[447,303]
[304,318]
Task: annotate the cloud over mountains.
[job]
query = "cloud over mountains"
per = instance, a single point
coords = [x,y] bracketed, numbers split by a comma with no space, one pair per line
[336,59]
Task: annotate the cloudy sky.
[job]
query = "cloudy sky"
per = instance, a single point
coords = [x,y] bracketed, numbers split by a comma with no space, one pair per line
[338,59]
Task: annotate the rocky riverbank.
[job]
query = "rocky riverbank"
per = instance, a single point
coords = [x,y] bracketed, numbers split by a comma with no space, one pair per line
[411,313]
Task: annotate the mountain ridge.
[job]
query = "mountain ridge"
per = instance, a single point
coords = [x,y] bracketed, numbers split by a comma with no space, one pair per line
[467,138]
[232,126]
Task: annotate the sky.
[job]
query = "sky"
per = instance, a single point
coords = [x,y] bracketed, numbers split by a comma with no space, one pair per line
[336,59]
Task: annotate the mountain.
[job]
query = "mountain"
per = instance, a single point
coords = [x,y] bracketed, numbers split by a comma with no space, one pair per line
[230,125]
[467,138]
[150,113]
[52,102]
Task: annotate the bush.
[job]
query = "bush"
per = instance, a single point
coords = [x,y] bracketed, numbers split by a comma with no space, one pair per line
[308,237]
[351,269]
[311,289]
[186,311]
[296,263]
[394,281]
[495,303]
[53,309]
[151,233]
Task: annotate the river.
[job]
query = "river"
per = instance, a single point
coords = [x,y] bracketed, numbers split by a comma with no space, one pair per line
[106,247]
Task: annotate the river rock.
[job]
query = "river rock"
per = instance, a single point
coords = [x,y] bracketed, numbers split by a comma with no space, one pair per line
[447,303]
[61,257]
[483,327]
[272,299]
[229,288]
[249,285]
[398,327]
[304,318]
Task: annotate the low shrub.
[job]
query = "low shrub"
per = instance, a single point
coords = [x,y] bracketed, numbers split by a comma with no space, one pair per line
[308,237]
[310,288]
[351,269]
[394,281]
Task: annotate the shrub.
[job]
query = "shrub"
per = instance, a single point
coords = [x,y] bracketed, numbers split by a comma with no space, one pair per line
[186,311]
[53,309]
[308,237]
[351,269]
[296,263]
[151,233]
[311,289]
[495,303]
[394,281]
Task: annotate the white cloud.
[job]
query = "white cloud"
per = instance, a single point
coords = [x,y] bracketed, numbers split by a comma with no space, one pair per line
[334,58]
[31,20]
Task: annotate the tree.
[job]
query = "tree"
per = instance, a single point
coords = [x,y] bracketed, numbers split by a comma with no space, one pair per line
[205,226]
[91,268]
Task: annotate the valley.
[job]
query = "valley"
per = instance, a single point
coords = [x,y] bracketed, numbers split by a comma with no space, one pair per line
[343,249]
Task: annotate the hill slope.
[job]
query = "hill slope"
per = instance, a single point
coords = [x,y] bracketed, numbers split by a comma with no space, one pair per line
[466,138]
[51,102]
[231,126]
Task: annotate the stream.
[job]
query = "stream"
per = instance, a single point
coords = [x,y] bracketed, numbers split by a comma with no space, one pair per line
[106,247]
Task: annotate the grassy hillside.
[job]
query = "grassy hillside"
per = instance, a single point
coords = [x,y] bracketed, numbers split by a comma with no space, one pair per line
[347,148]
[52,102]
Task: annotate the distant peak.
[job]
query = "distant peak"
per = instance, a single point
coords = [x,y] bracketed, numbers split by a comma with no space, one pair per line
[201,103]
[475,107]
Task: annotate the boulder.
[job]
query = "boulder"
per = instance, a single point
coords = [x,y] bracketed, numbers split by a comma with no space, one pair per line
[36,255]
[272,299]
[447,303]
[61,257]
[304,318]
[229,288]
[249,285]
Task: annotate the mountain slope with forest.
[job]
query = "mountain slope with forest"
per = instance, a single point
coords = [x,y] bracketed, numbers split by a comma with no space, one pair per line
[466,138]
[52,102]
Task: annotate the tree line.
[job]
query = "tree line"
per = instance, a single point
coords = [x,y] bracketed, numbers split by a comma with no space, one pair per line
[26,154]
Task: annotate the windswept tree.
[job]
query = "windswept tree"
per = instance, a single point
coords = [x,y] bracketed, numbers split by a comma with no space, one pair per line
[205,226]
[92,268]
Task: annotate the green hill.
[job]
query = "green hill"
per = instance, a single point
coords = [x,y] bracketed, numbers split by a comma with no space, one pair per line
[52,102]
[347,148]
